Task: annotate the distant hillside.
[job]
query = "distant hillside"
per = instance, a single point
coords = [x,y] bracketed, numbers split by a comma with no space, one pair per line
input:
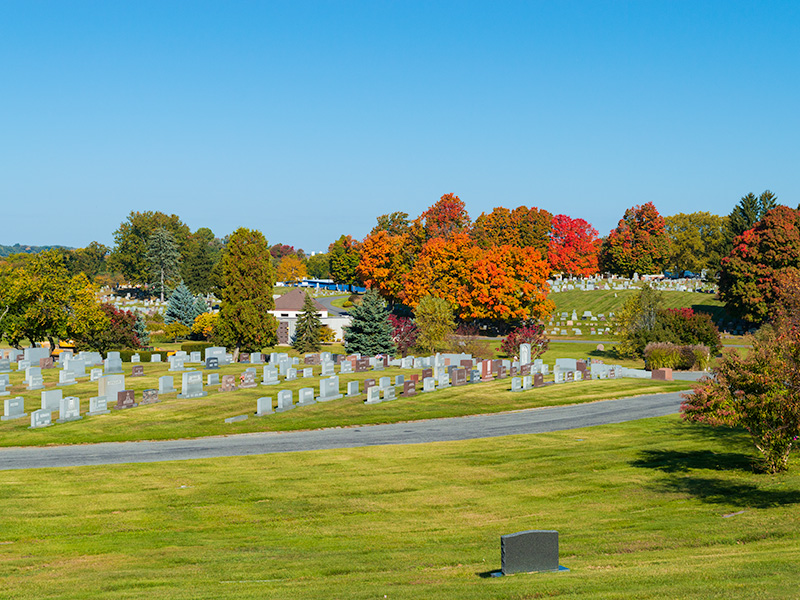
[21,249]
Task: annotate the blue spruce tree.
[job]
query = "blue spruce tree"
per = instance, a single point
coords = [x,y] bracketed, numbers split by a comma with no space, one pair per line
[181,307]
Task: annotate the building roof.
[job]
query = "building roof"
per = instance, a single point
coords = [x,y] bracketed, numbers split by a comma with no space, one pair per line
[294,301]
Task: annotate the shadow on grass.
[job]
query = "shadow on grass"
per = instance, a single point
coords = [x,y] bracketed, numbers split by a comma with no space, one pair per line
[673,461]
[716,491]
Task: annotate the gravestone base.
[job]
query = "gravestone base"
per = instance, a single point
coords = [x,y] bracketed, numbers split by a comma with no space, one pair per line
[78,418]
[192,395]
[329,398]
[236,419]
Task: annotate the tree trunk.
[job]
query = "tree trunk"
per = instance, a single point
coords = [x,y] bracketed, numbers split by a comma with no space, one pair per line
[162,285]
[236,354]
[52,344]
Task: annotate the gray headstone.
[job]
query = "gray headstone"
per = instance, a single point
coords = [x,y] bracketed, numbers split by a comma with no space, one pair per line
[212,379]
[192,385]
[270,376]
[291,374]
[155,358]
[305,397]
[373,395]
[69,409]
[308,372]
[51,399]
[113,365]
[528,551]
[236,419]
[264,406]
[166,384]
[5,365]
[329,389]
[13,408]
[40,418]
[98,406]
[285,400]
[428,384]
[352,388]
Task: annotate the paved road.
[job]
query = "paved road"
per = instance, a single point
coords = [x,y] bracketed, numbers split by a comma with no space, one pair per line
[537,420]
[327,302]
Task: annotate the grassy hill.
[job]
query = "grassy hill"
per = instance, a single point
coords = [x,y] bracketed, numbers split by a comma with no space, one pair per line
[607,301]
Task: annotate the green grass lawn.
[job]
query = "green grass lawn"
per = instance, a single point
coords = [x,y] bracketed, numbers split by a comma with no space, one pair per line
[608,301]
[174,418]
[651,509]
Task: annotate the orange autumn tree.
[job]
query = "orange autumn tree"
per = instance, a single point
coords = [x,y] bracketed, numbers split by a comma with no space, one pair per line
[501,283]
[574,246]
[385,261]
[445,218]
[522,227]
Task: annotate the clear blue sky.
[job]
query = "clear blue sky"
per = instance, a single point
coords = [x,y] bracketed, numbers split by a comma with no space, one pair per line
[307,120]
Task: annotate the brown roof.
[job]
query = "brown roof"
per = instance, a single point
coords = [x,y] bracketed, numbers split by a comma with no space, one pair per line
[294,301]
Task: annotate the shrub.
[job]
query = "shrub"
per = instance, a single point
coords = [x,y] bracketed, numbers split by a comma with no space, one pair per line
[144,355]
[465,339]
[195,346]
[528,334]
[327,335]
[665,355]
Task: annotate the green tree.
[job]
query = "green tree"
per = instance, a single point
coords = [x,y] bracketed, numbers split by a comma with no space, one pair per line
[395,223]
[749,211]
[200,306]
[434,318]
[129,256]
[244,320]
[92,259]
[636,323]
[639,244]
[140,329]
[181,307]
[318,266]
[40,301]
[344,256]
[197,270]
[176,330]
[163,257]
[308,329]
[698,241]
[369,332]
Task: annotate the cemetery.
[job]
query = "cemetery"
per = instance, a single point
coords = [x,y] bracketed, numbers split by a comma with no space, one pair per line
[335,390]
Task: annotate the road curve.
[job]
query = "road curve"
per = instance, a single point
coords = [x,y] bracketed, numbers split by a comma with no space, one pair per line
[534,420]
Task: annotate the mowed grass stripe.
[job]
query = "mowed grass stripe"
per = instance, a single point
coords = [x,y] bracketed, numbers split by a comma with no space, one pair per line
[639,507]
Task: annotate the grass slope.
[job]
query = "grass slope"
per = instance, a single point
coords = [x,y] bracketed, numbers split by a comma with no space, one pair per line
[645,510]
[607,301]
[174,418]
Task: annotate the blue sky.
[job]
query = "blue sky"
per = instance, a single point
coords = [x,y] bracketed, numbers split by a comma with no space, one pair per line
[307,120]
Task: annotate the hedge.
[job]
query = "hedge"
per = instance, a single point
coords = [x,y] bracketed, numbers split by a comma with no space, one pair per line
[190,347]
[664,355]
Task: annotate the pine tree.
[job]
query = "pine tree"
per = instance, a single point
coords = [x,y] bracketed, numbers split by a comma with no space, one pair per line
[198,267]
[180,307]
[163,257]
[140,329]
[370,332]
[200,306]
[309,325]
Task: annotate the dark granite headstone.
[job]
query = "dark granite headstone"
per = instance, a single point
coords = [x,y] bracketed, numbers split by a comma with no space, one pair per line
[361,365]
[409,388]
[228,383]
[125,399]
[414,378]
[244,357]
[525,369]
[427,373]
[538,380]
[137,371]
[46,363]
[569,376]
[337,358]
[661,374]
[368,383]
[466,364]
[459,377]
[248,380]
[527,551]
[212,362]
[149,397]
[502,372]
[497,364]
[311,359]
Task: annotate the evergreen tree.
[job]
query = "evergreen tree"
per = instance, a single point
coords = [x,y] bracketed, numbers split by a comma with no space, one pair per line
[200,306]
[750,211]
[140,329]
[198,268]
[307,333]
[180,307]
[370,331]
[163,257]
[244,321]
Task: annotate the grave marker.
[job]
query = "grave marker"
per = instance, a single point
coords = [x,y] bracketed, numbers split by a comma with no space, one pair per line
[69,409]
[13,408]
[149,396]
[529,551]
[125,399]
